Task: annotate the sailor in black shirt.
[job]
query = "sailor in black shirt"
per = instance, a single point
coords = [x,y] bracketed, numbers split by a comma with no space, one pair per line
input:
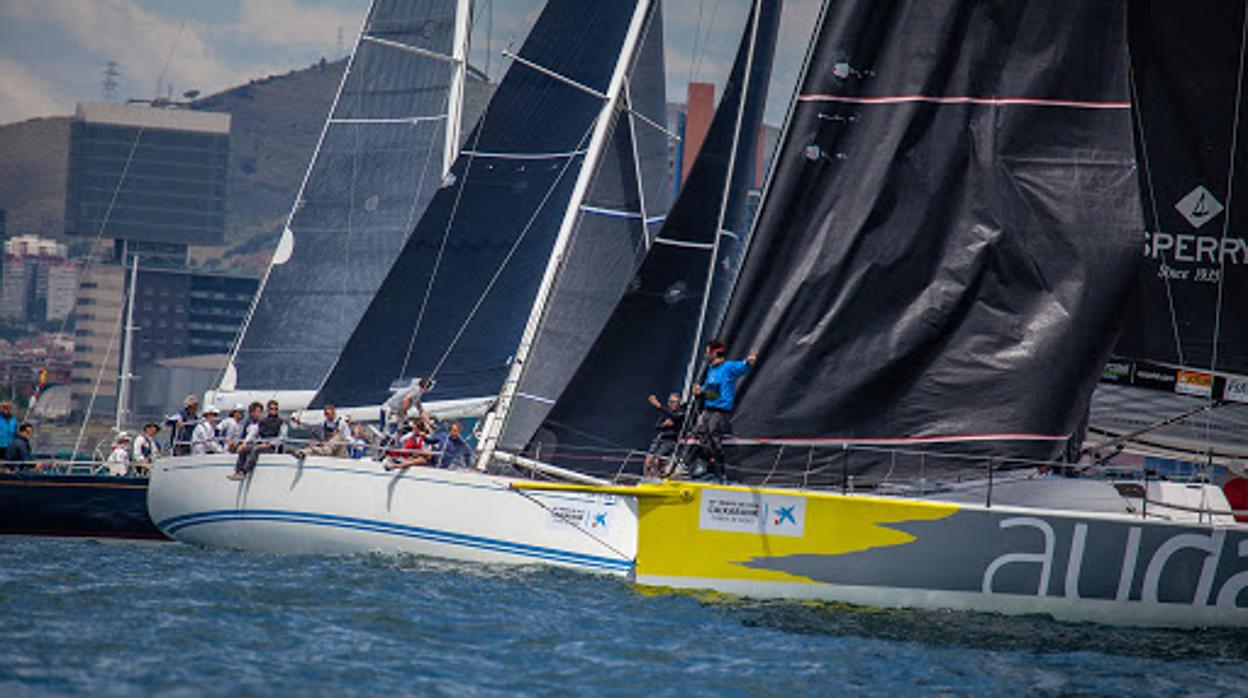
[667,432]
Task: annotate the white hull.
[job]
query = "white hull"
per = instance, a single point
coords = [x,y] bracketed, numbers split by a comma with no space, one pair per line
[329,505]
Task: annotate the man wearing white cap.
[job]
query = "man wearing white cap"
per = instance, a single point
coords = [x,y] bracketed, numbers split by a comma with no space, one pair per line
[204,438]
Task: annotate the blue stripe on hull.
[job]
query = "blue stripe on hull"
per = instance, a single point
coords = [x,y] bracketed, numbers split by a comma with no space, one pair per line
[174,524]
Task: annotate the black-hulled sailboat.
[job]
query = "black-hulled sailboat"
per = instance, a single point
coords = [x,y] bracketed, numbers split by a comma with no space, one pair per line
[940,269]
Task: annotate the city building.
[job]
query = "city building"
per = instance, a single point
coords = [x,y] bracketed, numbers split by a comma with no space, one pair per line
[152,179]
[177,313]
[699,111]
[39,284]
[97,337]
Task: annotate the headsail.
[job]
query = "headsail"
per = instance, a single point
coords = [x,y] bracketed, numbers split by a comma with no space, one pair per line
[623,207]
[454,305]
[649,337]
[947,236]
[1188,66]
[391,133]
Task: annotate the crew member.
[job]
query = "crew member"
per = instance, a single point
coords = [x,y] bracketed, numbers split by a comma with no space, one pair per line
[667,431]
[718,393]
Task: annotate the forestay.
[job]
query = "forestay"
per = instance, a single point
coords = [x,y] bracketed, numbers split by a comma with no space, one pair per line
[949,233]
[455,303]
[381,158]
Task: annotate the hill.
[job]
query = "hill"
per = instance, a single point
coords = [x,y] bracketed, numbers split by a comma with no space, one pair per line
[276,122]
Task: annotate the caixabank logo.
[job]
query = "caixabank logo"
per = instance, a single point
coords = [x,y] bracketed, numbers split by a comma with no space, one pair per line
[746,511]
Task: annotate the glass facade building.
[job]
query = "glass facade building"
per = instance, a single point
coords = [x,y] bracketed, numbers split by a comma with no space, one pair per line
[171,164]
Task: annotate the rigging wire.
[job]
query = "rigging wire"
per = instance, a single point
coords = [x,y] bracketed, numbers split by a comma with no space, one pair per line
[1152,199]
[1230,197]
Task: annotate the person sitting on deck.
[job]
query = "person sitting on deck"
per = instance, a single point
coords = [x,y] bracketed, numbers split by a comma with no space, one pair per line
[453,450]
[718,393]
[331,436]
[18,452]
[413,448]
[204,438]
[8,424]
[118,460]
[668,428]
[230,429]
[359,444]
[263,434]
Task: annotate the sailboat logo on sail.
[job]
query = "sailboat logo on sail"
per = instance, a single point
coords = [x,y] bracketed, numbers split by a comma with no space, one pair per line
[1199,206]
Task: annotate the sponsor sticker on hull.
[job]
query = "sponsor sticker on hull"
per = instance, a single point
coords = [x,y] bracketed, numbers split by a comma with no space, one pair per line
[752,512]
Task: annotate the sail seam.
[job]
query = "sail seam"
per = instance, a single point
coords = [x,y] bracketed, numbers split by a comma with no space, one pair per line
[523,156]
[885,440]
[966,99]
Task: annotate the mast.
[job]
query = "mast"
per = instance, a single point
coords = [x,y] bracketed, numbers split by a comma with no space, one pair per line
[127,351]
[459,72]
[495,420]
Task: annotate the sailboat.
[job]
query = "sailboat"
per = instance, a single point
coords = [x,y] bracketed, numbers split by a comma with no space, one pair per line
[80,498]
[564,159]
[941,266]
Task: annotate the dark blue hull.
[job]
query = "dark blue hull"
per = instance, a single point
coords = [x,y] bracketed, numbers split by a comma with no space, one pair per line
[98,506]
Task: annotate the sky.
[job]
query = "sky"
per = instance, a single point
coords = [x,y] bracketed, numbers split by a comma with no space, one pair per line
[53,52]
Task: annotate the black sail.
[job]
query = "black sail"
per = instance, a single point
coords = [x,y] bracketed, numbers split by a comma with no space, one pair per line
[1188,65]
[646,344]
[949,232]
[457,298]
[623,206]
[378,165]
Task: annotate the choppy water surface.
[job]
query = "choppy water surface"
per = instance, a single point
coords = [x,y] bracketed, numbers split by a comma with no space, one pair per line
[82,617]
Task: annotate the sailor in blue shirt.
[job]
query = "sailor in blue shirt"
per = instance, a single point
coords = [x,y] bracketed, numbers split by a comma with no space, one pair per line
[718,393]
[8,424]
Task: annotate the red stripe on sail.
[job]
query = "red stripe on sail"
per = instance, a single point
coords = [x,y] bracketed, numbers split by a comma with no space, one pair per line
[966,99]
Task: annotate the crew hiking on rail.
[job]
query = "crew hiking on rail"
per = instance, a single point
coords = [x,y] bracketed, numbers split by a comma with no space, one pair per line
[718,393]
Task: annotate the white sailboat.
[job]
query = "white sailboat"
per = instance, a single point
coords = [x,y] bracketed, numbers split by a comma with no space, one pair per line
[535,175]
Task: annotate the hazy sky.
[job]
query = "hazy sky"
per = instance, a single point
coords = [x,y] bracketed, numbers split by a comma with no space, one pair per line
[53,52]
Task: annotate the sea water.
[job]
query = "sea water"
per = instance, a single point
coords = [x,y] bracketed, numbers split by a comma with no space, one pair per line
[89,618]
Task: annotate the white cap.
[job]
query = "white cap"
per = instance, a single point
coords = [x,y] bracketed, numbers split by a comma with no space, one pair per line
[211,409]
[122,436]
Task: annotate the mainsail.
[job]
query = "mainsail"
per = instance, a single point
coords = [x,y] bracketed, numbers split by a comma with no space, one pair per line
[391,135]
[948,233]
[646,343]
[454,305]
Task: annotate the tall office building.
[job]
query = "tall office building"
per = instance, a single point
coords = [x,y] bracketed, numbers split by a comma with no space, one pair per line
[699,110]
[153,179]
